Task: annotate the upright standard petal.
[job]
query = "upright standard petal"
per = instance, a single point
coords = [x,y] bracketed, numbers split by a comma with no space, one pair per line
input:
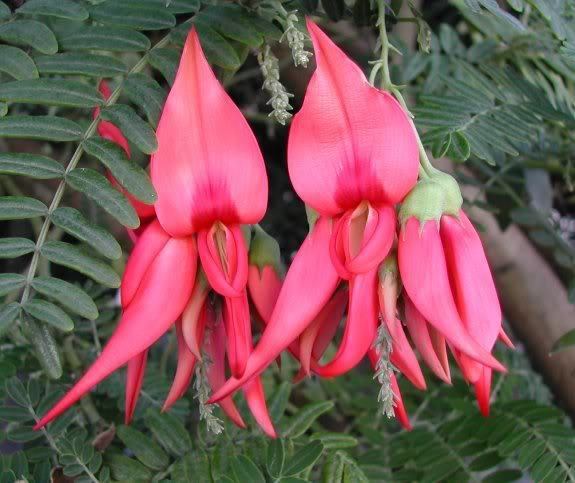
[349,142]
[159,299]
[208,165]
[425,278]
[311,272]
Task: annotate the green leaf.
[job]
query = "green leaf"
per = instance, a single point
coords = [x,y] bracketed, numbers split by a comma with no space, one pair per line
[232,22]
[3,109]
[61,9]
[8,315]
[304,458]
[147,94]
[166,61]
[10,282]
[4,11]
[335,440]
[143,447]
[174,6]
[106,38]
[14,413]
[97,187]
[218,50]
[49,313]
[132,16]
[73,222]
[134,128]
[80,64]
[29,33]
[278,402]
[503,476]
[332,471]
[565,341]
[49,128]
[459,149]
[17,392]
[31,165]
[246,470]
[124,170]
[17,63]
[23,434]
[275,457]
[70,296]
[45,346]
[169,431]
[20,208]
[73,257]
[127,469]
[55,92]
[441,145]
[15,247]
[301,422]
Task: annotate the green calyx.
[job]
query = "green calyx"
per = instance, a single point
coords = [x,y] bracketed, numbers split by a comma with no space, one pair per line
[265,251]
[312,216]
[388,267]
[431,198]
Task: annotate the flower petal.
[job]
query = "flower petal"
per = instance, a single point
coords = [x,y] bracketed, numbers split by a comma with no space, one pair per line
[471,280]
[349,142]
[429,343]
[311,272]
[239,332]
[264,287]
[360,328]
[403,357]
[216,351]
[255,397]
[425,278]
[184,369]
[483,391]
[208,165]
[505,339]
[134,380]
[399,408]
[158,301]
[192,317]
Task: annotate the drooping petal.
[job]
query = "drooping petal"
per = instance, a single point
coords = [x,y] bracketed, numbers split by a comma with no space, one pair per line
[255,397]
[311,272]
[134,379]
[314,340]
[349,142]
[399,408]
[360,328]
[192,316]
[506,339]
[216,351]
[403,357]
[238,332]
[425,278]
[264,287]
[208,165]
[158,301]
[184,368]
[471,280]
[483,391]
[429,343]
[150,244]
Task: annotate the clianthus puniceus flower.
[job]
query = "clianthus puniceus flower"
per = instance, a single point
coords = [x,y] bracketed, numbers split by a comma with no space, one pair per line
[211,181]
[353,157]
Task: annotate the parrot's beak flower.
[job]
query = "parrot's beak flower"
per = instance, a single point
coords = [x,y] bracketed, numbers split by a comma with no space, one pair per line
[353,158]
[211,181]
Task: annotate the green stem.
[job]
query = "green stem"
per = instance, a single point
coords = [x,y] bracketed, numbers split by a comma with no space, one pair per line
[71,165]
[426,168]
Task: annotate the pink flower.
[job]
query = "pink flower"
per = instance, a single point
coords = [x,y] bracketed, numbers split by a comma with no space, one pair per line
[210,178]
[352,155]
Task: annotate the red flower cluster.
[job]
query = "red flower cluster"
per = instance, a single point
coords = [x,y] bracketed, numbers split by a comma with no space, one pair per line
[383,247]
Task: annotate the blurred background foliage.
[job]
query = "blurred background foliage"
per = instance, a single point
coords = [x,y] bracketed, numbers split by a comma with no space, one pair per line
[491,86]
